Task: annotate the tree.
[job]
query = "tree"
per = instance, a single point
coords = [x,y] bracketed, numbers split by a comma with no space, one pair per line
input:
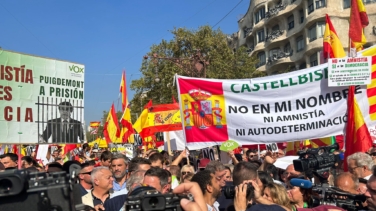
[219,60]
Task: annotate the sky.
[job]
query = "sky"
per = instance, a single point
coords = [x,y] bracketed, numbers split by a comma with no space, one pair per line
[106,36]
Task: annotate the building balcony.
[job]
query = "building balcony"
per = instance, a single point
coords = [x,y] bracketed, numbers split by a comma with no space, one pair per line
[273,35]
[274,11]
[250,49]
[260,64]
[278,56]
[247,31]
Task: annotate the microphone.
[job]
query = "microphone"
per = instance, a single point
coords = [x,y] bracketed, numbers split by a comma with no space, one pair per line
[302,183]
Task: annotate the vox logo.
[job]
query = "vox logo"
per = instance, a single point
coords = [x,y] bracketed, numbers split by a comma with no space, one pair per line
[76,69]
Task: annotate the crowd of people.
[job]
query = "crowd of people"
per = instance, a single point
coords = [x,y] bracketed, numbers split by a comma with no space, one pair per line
[107,179]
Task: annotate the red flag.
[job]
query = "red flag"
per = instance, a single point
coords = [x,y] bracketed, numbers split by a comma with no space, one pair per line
[358,20]
[173,99]
[358,138]
[111,130]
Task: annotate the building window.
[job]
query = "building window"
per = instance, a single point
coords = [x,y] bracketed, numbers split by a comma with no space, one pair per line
[292,1]
[346,4]
[300,43]
[287,49]
[302,66]
[320,4]
[259,15]
[313,60]
[369,1]
[261,36]
[312,35]
[275,28]
[262,58]
[320,29]
[301,15]
[290,21]
[310,6]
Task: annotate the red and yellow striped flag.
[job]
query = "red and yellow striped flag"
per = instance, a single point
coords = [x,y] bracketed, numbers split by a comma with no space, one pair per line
[358,20]
[127,128]
[332,46]
[111,130]
[371,88]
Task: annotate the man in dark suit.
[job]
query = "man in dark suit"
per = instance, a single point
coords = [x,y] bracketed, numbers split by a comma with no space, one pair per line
[64,129]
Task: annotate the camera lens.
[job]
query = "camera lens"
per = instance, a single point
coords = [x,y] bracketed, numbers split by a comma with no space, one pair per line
[5,185]
[153,201]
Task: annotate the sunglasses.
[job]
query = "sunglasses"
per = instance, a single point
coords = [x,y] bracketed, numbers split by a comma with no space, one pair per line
[373,154]
[89,173]
[185,172]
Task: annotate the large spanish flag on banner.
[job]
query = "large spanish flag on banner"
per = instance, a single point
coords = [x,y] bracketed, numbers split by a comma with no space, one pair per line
[203,108]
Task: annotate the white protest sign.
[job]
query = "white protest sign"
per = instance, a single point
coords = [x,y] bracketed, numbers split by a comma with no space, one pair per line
[273,147]
[350,71]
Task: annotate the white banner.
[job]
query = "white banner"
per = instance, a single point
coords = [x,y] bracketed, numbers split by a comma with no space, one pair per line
[295,106]
[41,100]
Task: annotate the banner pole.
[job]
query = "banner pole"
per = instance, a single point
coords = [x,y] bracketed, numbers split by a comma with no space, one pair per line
[258,149]
[19,156]
[169,145]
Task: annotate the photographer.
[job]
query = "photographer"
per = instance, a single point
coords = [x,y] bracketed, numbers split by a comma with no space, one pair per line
[244,173]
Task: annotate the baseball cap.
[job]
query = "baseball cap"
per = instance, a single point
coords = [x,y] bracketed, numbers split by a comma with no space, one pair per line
[322,208]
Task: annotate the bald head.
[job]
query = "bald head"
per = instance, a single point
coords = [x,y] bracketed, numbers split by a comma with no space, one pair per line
[347,182]
[290,172]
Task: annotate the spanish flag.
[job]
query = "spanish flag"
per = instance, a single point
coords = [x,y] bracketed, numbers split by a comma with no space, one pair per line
[95,124]
[332,45]
[358,20]
[142,121]
[111,130]
[123,92]
[358,138]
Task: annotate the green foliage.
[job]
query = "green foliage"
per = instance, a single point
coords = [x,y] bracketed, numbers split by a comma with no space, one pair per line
[219,60]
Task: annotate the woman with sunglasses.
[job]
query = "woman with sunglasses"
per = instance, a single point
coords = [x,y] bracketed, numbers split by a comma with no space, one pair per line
[185,170]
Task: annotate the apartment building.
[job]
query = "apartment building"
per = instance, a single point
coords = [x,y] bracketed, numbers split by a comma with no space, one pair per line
[288,34]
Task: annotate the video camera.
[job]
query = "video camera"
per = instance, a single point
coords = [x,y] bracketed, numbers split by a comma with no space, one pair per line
[339,198]
[320,160]
[21,190]
[147,198]
[229,191]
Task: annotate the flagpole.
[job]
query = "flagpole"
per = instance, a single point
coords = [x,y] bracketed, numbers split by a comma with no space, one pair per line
[19,156]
